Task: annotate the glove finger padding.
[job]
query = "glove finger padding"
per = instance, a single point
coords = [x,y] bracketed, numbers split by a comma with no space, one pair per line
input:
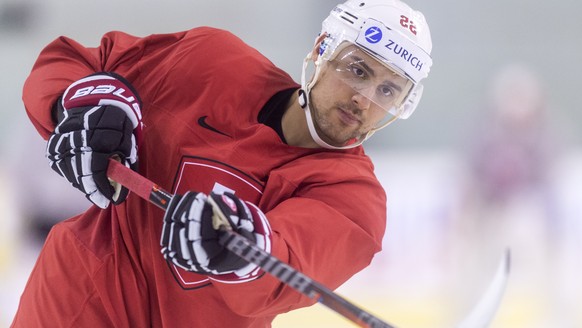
[181,234]
[189,239]
[106,129]
[82,144]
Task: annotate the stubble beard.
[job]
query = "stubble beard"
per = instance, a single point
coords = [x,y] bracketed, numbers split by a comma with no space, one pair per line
[331,129]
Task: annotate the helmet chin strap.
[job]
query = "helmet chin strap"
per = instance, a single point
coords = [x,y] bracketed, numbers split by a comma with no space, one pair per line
[303,99]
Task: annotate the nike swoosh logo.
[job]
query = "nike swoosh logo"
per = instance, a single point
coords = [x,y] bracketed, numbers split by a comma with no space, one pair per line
[202,123]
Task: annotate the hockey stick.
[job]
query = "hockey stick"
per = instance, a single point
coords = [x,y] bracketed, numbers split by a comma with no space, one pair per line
[241,246]
[484,312]
[479,317]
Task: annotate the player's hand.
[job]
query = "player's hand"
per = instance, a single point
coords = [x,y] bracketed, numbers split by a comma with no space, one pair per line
[190,240]
[98,118]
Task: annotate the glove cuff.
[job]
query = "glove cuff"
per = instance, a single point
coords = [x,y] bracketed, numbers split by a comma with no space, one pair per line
[101,89]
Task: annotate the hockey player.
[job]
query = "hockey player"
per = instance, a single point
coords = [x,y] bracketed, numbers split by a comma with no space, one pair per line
[209,117]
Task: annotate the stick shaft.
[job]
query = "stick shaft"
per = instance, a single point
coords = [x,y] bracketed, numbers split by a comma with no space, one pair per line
[248,251]
[138,184]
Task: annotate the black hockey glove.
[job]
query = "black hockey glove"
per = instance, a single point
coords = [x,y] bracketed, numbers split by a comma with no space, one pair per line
[98,117]
[190,240]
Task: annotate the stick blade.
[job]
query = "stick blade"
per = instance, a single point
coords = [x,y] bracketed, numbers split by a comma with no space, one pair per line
[484,312]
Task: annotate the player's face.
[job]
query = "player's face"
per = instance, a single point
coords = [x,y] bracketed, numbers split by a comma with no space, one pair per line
[353,95]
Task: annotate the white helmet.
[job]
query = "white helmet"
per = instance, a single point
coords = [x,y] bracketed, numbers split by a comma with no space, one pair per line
[388,31]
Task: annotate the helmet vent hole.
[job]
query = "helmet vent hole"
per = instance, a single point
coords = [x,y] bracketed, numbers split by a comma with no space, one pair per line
[362,4]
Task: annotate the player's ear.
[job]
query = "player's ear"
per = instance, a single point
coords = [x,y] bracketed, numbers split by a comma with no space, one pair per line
[318,46]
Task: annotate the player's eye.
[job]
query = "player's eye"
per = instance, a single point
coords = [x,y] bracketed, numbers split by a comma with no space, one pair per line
[357,71]
[385,91]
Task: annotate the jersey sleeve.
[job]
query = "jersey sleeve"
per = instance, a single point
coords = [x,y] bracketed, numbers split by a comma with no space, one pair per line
[329,229]
[65,61]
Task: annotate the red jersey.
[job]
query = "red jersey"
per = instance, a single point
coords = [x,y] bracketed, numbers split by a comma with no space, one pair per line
[201,92]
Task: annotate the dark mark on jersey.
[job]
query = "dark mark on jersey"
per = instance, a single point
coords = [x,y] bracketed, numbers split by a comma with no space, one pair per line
[202,123]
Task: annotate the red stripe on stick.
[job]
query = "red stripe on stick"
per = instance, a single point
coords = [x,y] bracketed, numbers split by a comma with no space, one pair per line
[131,179]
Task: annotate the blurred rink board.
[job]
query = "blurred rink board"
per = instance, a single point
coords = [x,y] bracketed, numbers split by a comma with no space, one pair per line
[16,257]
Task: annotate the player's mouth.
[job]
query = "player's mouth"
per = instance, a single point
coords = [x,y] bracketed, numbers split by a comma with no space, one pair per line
[347,117]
